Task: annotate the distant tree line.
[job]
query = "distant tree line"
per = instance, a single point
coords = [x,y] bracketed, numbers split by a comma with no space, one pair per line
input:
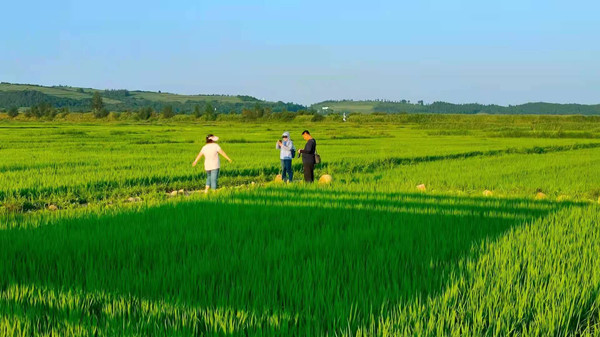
[473,108]
[116,94]
[39,104]
[41,110]
[404,106]
[30,98]
[260,112]
[207,112]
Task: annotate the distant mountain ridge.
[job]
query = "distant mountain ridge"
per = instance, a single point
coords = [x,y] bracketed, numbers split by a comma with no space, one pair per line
[79,99]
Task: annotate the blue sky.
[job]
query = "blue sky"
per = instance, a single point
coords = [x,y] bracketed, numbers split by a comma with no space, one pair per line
[504,52]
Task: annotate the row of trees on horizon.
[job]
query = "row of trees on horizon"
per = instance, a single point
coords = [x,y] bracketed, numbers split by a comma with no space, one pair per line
[40,104]
[206,111]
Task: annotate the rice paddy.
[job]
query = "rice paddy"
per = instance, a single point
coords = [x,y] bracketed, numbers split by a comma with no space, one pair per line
[94,242]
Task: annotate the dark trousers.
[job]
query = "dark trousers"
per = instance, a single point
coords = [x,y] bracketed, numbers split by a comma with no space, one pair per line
[309,171]
[287,174]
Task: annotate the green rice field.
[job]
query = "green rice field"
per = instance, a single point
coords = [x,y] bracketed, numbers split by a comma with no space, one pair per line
[104,231]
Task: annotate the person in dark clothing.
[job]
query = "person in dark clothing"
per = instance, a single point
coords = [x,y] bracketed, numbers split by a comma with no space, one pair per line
[308,156]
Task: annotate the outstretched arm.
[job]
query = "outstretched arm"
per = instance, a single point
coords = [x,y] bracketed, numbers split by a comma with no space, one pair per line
[197,158]
[224,155]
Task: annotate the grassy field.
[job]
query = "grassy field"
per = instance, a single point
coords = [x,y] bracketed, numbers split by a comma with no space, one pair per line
[94,243]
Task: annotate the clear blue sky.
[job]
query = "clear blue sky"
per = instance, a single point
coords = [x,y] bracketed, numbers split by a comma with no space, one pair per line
[503,52]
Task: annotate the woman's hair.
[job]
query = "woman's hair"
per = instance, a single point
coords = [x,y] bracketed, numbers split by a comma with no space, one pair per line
[209,139]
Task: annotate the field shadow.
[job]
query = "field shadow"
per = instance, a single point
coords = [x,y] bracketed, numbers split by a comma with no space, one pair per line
[331,259]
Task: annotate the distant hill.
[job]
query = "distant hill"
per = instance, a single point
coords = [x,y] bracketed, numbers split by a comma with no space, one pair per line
[79,99]
[350,106]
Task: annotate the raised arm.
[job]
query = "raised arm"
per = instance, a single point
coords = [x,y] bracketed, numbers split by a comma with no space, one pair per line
[224,154]
[197,158]
[289,147]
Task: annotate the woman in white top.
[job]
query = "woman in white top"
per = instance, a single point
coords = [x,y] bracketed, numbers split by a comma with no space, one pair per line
[212,164]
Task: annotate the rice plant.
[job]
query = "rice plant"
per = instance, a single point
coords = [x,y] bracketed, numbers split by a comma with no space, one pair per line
[367,255]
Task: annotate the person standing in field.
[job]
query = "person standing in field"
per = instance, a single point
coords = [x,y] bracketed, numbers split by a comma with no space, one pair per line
[212,164]
[286,153]
[308,156]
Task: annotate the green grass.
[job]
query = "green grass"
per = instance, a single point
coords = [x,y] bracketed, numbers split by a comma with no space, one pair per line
[68,165]
[368,255]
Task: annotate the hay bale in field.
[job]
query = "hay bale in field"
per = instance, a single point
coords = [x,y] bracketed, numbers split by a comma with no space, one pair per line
[52,208]
[134,199]
[421,188]
[540,196]
[325,179]
[278,179]
[173,193]
[181,191]
[487,193]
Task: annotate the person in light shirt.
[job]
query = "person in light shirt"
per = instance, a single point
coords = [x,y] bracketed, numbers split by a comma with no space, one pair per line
[212,164]
[286,153]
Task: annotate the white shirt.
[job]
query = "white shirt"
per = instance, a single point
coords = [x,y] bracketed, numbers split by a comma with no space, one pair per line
[211,156]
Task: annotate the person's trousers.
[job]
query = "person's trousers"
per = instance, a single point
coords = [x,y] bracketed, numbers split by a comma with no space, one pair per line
[212,178]
[286,170]
[309,171]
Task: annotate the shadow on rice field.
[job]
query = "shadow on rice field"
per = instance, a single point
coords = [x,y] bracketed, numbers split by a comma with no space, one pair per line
[296,261]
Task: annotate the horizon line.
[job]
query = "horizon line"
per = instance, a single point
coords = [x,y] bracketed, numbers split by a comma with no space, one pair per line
[384,100]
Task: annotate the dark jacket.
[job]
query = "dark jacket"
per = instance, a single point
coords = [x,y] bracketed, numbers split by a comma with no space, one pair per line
[308,153]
